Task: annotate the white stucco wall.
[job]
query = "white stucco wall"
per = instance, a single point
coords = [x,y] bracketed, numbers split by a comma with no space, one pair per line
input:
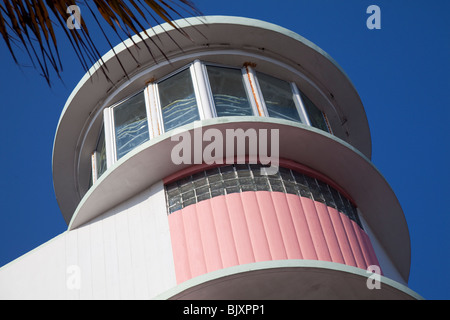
[125,253]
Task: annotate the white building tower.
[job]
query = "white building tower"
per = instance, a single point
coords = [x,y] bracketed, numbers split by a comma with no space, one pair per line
[238,168]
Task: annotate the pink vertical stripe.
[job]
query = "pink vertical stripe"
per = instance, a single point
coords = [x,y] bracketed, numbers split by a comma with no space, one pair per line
[328,231]
[225,237]
[341,236]
[362,243]
[179,248]
[193,239]
[302,229]
[318,238]
[286,225]
[240,228]
[255,225]
[207,230]
[354,243]
[271,226]
[249,227]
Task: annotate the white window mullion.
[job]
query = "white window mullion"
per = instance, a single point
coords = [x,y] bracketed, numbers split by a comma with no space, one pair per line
[300,105]
[254,91]
[211,103]
[158,111]
[94,166]
[202,91]
[152,107]
[109,137]
[148,109]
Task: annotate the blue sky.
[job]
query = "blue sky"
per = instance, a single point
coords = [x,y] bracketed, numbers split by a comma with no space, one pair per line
[400,71]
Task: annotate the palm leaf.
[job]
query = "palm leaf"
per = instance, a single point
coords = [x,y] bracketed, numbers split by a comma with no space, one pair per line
[30,25]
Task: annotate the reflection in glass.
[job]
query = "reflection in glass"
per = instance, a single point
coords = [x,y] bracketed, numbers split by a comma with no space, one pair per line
[101,154]
[177,98]
[278,97]
[316,117]
[230,97]
[130,121]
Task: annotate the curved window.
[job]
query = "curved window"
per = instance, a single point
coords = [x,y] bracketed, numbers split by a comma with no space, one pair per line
[101,155]
[98,158]
[316,117]
[230,97]
[247,177]
[278,97]
[198,91]
[177,100]
[130,124]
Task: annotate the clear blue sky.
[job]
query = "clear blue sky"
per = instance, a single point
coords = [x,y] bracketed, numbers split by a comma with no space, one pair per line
[401,73]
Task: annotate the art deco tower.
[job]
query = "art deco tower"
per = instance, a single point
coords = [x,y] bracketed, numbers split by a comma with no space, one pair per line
[142,225]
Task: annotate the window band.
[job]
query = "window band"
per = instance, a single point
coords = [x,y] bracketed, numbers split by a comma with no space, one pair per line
[196,101]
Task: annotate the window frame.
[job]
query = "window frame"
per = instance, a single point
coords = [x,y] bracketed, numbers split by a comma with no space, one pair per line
[205,104]
[202,88]
[157,101]
[299,104]
[95,155]
[245,81]
[254,90]
[324,116]
[94,176]
[112,127]
[296,98]
[151,106]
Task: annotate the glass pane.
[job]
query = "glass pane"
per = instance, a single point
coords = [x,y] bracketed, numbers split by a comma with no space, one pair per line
[230,97]
[101,154]
[315,115]
[177,98]
[278,97]
[315,189]
[130,120]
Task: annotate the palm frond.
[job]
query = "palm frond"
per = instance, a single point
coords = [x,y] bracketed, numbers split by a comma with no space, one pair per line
[31,25]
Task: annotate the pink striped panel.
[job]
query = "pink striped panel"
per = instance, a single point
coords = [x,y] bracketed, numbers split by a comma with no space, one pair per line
[329,233]
[315,229]
[240,228]
[179,248]
[256,230]
[271,225]
[227,246]
[193,238]
[354,242]
[302,229]
[286,223]
[209,236]
[341,237]
[258,226]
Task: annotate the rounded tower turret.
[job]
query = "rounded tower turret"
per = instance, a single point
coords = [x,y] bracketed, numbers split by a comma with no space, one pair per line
[243,155]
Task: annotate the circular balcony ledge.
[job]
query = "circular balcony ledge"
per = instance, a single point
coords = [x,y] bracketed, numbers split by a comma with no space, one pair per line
[289,279]
[316,149]
[213,37]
